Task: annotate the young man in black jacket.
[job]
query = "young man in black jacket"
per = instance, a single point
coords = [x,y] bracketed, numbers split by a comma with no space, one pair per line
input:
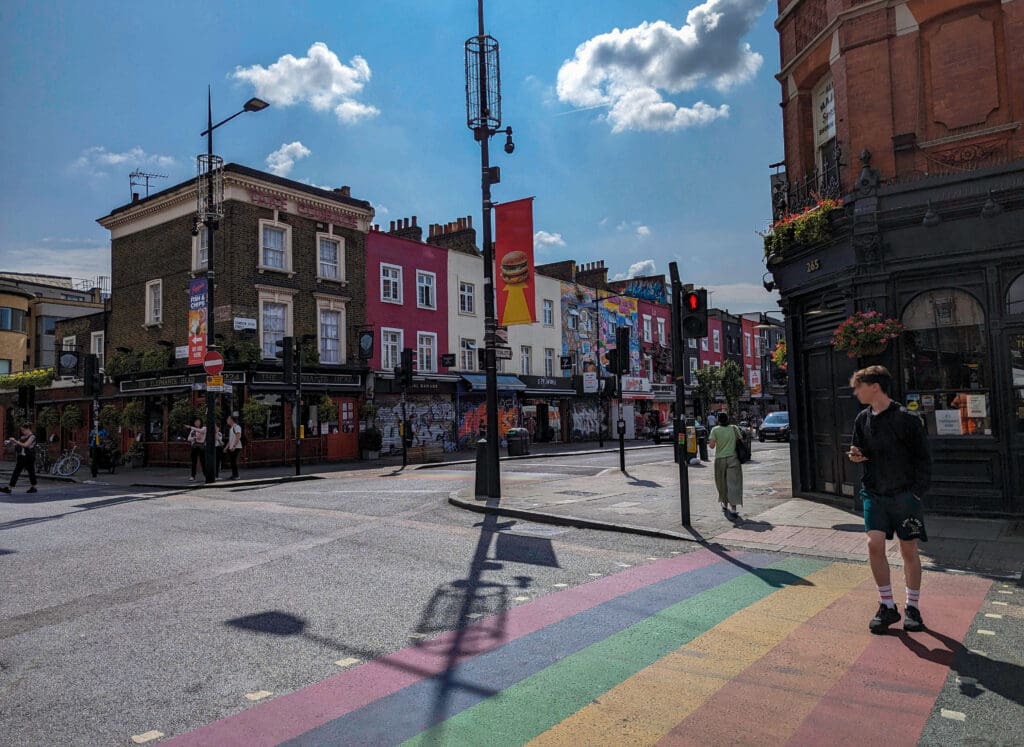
[893,446]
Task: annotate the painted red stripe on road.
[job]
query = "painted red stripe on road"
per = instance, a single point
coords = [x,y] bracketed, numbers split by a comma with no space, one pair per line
[888,694]
[290,715]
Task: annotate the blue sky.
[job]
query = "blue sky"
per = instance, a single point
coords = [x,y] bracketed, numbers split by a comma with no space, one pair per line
[625,164]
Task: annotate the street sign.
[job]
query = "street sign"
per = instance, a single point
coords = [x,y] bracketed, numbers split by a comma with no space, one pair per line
[448,360]
[565,361]
[215,381]
[501,335]
[213,363]
[503,353]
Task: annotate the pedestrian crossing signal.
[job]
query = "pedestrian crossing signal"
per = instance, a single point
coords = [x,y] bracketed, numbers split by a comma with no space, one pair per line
[694,314]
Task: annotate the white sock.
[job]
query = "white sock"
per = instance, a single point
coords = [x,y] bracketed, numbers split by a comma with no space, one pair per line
[885,593]
[913,595]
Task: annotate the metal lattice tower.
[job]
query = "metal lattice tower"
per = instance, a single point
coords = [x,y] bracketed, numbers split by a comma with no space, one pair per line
[209,188]
[483,91]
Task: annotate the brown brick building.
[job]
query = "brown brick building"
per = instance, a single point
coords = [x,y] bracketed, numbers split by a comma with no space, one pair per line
[911,111]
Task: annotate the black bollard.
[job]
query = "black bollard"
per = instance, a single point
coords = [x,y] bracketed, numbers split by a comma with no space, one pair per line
[702,445]
[481,469]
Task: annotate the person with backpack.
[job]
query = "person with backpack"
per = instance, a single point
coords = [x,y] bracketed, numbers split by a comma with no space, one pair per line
[25,449]
[234,445]
[728,470]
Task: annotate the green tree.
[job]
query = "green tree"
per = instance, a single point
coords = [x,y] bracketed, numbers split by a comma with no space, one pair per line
[732,385]
[709,380]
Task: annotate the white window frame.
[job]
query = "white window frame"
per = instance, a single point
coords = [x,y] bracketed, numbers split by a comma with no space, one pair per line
[386,363]
[423,275]
[398,283]
[661,331]
[747,338]
[271,294]
[647,328]
[467,353]
[716,336]
[750,375]
[197,246]
[549,312]
[525,359]
[718,364]
[69,343]
[339,241]
[287,269]
[431,350]
[332,303]
[693,343]
[549,361]
[693,371]
[463,296]
[154,317]
[574,320]
[98,348]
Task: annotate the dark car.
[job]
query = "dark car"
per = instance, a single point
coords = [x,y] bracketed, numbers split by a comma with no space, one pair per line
[775,426]
[666,432]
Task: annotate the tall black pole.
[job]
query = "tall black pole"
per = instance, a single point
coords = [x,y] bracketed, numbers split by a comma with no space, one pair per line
[682,454]
[299,424]
[601,415]
[210,452]
[483,134]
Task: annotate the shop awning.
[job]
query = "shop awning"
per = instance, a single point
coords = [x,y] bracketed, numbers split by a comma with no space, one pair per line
[478,383]
[551,392]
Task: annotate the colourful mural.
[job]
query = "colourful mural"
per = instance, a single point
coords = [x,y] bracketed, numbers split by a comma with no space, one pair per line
[434,420]
[473,418]
[586,420]
[651,289]
[583,335]
[615,313]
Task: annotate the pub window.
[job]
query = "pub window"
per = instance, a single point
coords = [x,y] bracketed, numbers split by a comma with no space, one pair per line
[1015,297]
[946,381]
[273,426]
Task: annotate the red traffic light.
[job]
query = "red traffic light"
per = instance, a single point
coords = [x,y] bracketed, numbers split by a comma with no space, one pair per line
[692,301]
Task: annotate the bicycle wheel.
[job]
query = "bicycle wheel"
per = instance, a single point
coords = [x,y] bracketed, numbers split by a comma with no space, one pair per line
[69,465]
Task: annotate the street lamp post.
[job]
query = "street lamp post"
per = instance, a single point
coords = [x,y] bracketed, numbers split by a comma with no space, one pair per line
[210,215]
[483,117]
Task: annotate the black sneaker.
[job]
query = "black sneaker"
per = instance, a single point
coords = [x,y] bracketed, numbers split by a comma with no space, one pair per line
[885,617]
[912,621]
[5,489]
[32,490]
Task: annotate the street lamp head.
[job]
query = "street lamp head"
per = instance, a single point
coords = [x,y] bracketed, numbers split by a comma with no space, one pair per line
[509,145]
[255,105]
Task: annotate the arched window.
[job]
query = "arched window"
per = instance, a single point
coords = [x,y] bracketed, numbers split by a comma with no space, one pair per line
[1015,296]
[945,363]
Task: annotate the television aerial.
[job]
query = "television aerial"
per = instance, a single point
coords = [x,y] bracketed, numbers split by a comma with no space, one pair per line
[139,177]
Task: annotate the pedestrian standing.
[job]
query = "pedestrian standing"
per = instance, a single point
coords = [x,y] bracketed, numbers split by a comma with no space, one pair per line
[234,445]
[728,470]
[219,442]
[197,445]
[891,443]
[25,451]
[98,437]
[712,421]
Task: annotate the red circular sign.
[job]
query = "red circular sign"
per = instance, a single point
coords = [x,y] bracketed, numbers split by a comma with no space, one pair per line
[213,363]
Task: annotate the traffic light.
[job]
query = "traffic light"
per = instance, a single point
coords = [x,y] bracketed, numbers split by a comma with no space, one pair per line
[694,314]
[622,344]
[92,376]
[613,361]
[405,376]
[286,352]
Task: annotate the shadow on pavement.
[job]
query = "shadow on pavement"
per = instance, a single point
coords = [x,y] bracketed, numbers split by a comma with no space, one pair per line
[857,528]
[771,576]
[642,483]
[751,525]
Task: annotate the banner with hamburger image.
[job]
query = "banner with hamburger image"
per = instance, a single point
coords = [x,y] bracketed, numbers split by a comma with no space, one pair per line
[513,259]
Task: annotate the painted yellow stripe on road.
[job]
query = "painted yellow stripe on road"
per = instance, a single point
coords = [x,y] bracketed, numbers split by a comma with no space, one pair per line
[647,706]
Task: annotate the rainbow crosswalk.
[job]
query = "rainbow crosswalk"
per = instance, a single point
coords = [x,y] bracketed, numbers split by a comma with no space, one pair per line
[703,648]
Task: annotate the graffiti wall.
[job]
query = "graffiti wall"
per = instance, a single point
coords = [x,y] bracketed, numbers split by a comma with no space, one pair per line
[651,289]
[432,418]
[586,420]
[473,418]
[615,313]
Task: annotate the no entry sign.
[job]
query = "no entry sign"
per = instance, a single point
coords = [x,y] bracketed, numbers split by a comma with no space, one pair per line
[213,363]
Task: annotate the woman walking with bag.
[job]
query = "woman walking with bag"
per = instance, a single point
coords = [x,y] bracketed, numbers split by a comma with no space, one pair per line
[25,447]
[728,470]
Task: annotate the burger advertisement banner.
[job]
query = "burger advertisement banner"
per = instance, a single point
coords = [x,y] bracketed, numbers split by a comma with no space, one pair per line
[513,257]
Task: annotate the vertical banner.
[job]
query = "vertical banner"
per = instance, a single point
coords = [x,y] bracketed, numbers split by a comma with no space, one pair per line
[513,260]
[196,321]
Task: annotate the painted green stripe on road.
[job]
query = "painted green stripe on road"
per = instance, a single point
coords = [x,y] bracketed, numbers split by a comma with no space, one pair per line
[530,707]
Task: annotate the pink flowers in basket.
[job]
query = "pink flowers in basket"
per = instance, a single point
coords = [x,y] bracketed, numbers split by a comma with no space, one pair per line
[865,333]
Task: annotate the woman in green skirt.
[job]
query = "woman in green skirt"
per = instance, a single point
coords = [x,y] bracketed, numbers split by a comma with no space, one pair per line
[728,471]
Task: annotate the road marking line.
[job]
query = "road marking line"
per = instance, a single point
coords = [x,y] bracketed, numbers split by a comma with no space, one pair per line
[953,715]
[623,565]
[1002,604]
[148,736]
[595,575]
[1005,592]
[653,558]
[675,552]
[259,695]
[347,662]
[560,586]
[986,632]
[474,615]
[993,615]
[977,651]
[417,635]
[521,599]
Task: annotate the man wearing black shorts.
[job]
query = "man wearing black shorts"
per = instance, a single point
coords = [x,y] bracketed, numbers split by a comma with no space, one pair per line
[892,444]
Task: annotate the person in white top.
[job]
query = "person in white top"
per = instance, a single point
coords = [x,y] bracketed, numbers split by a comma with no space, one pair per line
[197,446]
[234,445]
[25,448]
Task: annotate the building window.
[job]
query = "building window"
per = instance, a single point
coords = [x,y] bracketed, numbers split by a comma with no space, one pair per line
[692,342]
[12,320]
[693,371]
[525,353]
[647,328]
[200,250]
[704,344]
[154,301]
[330,336]
[574,319]
[718,364]
[661,332]
[717,337]
[467,350]
[390,348]
[390,283]
[275,246]
[467,298]
[749,341]
[549,313]
[426,352]
[96,346]
[330,264]
[274,318]
[425,297]
[70,343]
[549,361]
[5,366]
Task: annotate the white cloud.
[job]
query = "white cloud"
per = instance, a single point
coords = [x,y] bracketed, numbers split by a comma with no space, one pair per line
[641,269]
[544,240]
[68,262]
[740,298]
[643,232]
[319,79]
[282,160]
[603,222]
[628,70]
[98,161]
[379,210]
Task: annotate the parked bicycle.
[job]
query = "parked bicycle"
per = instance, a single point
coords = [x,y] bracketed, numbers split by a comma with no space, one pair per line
[44,462]
[68,463]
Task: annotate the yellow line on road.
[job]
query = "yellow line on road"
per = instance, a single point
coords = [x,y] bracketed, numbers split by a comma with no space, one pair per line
[648,705]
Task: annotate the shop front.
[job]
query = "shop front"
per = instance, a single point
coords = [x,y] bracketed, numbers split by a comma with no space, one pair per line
[471,407]
[543,401]
[429,407]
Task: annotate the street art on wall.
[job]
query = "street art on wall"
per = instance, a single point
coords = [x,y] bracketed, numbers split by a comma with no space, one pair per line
[432,419]
[586,420]
[646,289]
[615,313]
[585,337]
[473,418]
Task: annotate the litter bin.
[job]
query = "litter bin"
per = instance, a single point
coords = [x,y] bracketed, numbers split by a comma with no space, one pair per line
[518,442]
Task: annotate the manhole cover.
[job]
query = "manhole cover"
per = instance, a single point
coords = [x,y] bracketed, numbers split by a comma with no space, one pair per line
[574,492]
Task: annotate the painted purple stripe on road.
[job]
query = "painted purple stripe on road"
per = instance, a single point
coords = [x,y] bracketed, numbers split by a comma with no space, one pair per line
[291,715]
[404,714]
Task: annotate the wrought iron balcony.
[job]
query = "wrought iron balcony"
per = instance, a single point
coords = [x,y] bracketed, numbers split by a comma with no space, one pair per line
[793,197]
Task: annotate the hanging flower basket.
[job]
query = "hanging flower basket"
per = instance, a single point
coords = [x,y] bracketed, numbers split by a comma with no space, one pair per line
[865,333]
[779,356]
[812,226]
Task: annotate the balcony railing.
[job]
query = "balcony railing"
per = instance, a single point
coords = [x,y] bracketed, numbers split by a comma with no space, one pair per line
[792,197]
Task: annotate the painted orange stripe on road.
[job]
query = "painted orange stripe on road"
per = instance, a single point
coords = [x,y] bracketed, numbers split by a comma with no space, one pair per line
[645,707]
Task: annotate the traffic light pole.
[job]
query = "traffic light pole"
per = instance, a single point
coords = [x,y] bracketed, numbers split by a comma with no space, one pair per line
[678,376]
[299,425]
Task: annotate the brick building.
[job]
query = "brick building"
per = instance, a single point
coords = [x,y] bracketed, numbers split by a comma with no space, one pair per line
[911,113]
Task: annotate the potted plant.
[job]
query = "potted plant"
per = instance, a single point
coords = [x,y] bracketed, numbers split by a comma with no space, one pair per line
[812,226]
[370,438]
[133,417]
[254,415]
[180,417]
[133,457]
[865,333]
[47,418]
[110,417]
[121,364]
[71,418]
[779,356]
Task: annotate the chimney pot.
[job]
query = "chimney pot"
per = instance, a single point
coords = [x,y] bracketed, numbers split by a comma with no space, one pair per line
[346,191]
[414,221]
[406,223]
[392,227]
[469,221]
[135,196]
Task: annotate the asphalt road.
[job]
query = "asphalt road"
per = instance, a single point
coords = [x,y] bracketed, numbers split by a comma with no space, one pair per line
[123,614]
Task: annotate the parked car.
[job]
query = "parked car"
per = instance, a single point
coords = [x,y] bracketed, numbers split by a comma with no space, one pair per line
[666,432]
[775,426]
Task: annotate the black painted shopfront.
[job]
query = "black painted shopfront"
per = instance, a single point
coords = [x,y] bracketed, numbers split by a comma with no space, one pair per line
[945,256]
